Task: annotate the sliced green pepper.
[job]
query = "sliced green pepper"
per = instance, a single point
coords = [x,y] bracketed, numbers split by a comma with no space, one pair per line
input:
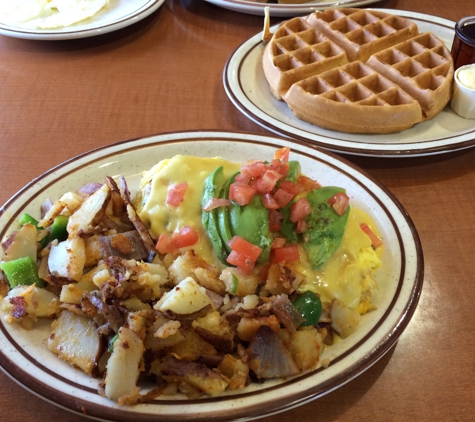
[310,306]
[27,218]
[59,228]
[21,271]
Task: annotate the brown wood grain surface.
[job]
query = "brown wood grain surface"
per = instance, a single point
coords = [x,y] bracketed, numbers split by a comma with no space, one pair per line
[59,99]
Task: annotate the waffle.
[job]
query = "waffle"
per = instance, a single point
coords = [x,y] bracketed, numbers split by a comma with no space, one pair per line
[358,71]
[297,51]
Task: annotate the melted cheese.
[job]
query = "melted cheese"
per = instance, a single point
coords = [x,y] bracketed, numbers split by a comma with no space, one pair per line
[348,275]
[163,218]
[350,270]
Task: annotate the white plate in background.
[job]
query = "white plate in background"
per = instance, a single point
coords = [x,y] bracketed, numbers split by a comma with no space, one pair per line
[116,15]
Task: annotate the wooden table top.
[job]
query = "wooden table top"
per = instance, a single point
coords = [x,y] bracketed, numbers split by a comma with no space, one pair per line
[59,99]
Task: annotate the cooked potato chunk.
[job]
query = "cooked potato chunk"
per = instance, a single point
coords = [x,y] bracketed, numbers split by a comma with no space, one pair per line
[75,340]
[67,258]
[123,368]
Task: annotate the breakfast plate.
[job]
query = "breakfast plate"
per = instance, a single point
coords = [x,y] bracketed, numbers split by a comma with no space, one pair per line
[26,359]
[283,10]
[117,14]
[247,88]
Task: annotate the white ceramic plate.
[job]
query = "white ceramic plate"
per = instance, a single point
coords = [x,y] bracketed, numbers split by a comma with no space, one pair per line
[247,87]
[117,15]
[283,10]
[24,355]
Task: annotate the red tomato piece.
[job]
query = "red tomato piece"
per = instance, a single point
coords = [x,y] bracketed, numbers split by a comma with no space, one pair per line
[186,236]
[299,210]
[244,248]
[216,203]
[308,184]
[286,254]
[164,244]
[282,154]
[242,194]
[254,170]
[268,181]
[269,202]
[375,240]
[243,263]
[339,202]
[301,226]
[275,220]
[176,193]
[282,197]
[282,168]
[290,187]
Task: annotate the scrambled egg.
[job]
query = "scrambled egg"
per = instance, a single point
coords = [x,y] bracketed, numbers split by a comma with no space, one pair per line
[348,275]
[48,14]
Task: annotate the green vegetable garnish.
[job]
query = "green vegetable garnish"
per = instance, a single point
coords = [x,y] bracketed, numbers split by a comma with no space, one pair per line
[325,227]
[59,228]
[27,218]
[21,271]
[310,306]
[235,285]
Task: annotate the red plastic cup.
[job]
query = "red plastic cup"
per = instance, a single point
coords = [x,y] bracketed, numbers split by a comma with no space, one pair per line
[463,48]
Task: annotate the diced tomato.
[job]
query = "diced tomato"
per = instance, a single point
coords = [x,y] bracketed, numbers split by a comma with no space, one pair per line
[267,182]
[243,179]
[299,210]
[290,187]
[339,202]
[282,197]
[165,244]
[375,240]
[279,242]
[282,168]
[216,203]
[254,170]
[301,226]
[269,202]
[176,193]
[286,254]
[282,154]
[308,184]
[243,263]
[186,236]
[275,220]
[242,194]
[245,248]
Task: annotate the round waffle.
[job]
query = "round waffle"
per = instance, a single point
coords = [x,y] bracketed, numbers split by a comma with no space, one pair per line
[358,71]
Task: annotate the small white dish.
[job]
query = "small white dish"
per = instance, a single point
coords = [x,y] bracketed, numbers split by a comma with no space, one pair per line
[116,15]
[248,89]
[463,100]
[24,355]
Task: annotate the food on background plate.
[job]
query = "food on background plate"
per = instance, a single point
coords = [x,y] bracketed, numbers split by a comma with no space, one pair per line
[358,71]
[214,276]
[49,14]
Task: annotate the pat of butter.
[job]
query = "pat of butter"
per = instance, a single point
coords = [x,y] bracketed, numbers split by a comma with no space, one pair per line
[466,76]
[185,298]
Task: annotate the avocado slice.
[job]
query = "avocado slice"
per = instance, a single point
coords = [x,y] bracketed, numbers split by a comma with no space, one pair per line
[251,222]
[212,187]
[222,213]
[294,171]
[325,227]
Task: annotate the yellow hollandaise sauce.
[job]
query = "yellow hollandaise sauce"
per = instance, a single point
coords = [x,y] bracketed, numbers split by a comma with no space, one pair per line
[163,218]
[348,275]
